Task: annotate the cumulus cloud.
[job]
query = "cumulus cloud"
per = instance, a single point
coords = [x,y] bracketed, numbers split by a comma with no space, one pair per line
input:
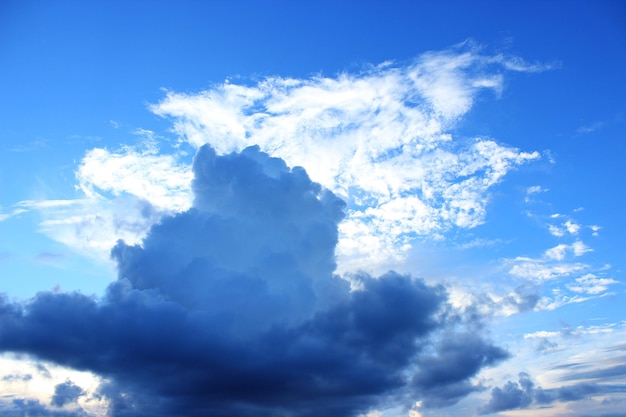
[521,394]
[560,251]
[561,229]
[591,284]
[233,308]
[66,393]
[512,395]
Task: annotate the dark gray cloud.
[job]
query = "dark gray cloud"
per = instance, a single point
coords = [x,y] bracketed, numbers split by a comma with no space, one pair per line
[524,298]
[17,377]
[522,394]
[617,371]
[43,371]
[511,396]
[66,393]
[233,309]
[444,376]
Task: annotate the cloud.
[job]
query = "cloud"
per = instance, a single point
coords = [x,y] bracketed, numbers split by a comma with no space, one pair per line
[66,393]
[32,408]
[17,377]
[15,212]
[560,251]
[444,377]
[591,284]
[139,171]
[568,227]
[540,270]
[233,308]
[91,226]
[511,396]
[380,138]
[559,264]
[521,394]
[583,130]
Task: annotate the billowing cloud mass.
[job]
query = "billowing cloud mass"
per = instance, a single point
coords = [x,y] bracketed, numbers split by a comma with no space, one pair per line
[66,393]
[233,308]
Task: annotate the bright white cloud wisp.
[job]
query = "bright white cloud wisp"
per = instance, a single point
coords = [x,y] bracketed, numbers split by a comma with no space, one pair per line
[380,139]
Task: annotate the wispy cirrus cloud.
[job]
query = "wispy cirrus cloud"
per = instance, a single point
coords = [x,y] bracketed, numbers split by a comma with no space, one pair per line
[379,138]
[567,280]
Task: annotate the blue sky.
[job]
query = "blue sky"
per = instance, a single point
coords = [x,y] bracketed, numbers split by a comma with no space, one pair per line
[154,218]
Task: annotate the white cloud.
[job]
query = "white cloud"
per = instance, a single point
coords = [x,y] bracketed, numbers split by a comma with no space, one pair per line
[591,284]
[557,265]
[540,270]
[91,226]
[541,334]
[556,231]
[560,251]
[590,128]
[571,227]
[557,252]
[138,171]
[24,378]
[560,299]
[14,212]
[595,229]
[579,248]
[124,193]
[535,189]
[566,227]
[379,139]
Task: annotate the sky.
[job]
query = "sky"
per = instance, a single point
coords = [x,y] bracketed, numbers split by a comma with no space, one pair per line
[350,209]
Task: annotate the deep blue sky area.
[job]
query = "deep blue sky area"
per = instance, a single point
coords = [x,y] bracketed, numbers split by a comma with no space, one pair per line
[105,61]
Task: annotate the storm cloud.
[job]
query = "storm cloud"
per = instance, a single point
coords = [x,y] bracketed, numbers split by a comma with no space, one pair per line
[233,308]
